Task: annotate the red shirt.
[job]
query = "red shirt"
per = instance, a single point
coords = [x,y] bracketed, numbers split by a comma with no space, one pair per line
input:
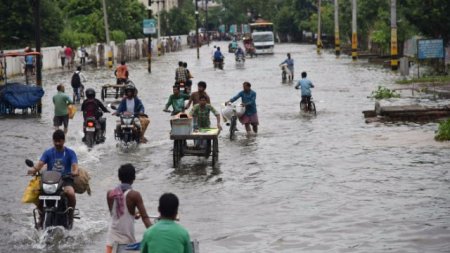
[68,52]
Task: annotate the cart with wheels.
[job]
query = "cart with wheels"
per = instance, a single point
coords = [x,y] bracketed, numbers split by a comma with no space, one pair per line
[206,144]
[112,90]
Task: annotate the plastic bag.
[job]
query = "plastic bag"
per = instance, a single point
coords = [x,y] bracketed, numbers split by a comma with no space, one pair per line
[31,194]
[81,182]
[72,110]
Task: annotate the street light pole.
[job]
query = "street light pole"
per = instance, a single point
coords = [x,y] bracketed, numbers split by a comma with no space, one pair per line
[196,30]
[37,23]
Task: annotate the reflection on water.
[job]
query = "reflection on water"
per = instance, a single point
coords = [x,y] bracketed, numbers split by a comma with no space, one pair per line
[329,183]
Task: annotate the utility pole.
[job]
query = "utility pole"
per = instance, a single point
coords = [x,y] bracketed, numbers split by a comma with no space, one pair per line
[394,49]
[37,28]
[354,32]
[196,29]
[159,23]
[337,42]
[319,32]
[206,21]
[108,41]
[149,49]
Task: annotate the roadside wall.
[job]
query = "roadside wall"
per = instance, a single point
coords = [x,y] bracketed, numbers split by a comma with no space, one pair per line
[134,49]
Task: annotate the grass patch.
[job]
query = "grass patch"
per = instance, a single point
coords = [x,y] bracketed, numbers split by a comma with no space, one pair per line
[384,93]
[443,133]
[427,79]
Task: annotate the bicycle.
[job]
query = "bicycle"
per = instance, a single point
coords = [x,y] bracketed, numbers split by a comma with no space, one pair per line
[231,113]
[304,108]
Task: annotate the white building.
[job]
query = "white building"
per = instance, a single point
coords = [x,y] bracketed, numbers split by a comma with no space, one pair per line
[160,5]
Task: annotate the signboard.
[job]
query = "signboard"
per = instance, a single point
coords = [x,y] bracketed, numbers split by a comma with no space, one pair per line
[430,49]
[233,29]
[149,26]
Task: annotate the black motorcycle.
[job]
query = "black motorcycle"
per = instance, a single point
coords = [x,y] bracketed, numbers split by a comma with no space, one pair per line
[218,64]
[93,131]
[53,200]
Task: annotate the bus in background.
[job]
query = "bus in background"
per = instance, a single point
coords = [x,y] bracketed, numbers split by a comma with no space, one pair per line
[262,35]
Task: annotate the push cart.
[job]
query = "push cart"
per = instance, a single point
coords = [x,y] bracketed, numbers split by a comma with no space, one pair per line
[206,144]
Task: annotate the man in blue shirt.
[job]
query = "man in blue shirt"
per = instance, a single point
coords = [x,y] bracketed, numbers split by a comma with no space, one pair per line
[290,65]
[248,98]
[305,86]
[218,56]
[63,159]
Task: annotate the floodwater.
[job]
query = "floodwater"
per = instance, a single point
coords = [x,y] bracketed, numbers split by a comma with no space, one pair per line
[329,183]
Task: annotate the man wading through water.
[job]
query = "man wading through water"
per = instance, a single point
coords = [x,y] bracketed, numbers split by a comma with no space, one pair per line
[122,203]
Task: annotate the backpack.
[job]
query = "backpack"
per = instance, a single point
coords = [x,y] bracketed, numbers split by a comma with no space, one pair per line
[76,81]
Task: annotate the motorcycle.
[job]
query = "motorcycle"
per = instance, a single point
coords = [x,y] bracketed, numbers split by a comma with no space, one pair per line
[218,64]
[240,58]
[93,132]
[53,200]
[127,132]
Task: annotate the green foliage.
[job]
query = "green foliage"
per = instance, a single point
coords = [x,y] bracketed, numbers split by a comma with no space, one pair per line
[179,20]
[384,93]
[429,79]
[443,133]
[118,36]
[76,39]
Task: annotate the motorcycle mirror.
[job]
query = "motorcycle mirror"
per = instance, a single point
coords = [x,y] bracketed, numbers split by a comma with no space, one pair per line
[113,107]
[29,163]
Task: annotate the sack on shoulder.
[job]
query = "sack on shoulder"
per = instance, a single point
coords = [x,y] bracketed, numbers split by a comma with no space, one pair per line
[31,194]
[81,182]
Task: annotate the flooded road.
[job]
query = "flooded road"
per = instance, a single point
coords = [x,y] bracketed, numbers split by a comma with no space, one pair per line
[329,183]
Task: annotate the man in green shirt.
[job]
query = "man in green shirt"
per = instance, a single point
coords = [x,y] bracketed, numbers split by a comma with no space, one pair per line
[166,236]
[61,101]
[200,113]
[176,100]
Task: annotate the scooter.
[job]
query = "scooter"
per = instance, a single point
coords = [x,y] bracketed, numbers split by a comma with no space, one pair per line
[53,200]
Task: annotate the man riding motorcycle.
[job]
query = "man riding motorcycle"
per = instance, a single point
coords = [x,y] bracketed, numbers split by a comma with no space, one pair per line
[218,57]
[133,105]
[59,158]
[239,53]
[93,107]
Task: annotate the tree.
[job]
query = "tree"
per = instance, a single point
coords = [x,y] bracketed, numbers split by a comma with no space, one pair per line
[431,17]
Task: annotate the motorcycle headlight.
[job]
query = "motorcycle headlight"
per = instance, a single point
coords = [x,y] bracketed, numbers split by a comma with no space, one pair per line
[127,121]
[50,188]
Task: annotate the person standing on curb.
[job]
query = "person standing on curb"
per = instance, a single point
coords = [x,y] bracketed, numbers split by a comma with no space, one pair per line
[61,101]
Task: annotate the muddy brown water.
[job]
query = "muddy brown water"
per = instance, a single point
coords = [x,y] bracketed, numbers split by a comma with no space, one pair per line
[329,183]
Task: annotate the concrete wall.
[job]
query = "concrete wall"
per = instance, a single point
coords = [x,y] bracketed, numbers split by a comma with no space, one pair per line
[130,50]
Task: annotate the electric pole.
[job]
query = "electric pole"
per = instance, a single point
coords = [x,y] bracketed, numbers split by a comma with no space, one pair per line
[108,41]
[196,29]
[319,32]
[354,32]
[394,49]
[149,49]
[337,42]
[37,28]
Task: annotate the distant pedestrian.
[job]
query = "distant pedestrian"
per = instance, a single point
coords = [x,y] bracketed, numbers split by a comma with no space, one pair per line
[125,205]
[62,56]
[82,55]
[77,84]
[61,102]
[69,54]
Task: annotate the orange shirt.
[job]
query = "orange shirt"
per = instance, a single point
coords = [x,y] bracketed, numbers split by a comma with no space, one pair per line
[122,72]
